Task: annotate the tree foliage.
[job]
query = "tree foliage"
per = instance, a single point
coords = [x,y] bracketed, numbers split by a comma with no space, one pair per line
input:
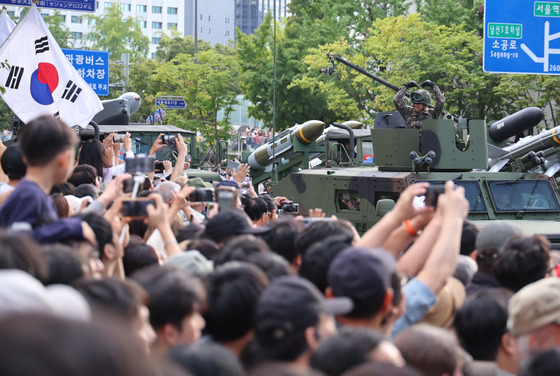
[58,29]
[116,34]
[207,85]
[294,104]
[171,46]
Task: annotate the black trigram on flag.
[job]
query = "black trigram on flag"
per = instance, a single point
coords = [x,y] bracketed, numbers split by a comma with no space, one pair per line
[71,92]
[41,45]
[14,77]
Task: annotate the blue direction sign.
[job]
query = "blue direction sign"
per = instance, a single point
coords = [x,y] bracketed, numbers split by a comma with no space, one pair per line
[93,66]
[171,103]
[77,5]
[522,36]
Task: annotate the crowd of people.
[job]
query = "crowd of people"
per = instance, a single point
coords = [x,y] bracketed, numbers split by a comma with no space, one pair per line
[215,287]
[250,138]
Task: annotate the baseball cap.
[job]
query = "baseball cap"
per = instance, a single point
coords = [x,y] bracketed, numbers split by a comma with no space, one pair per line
[228,183]
[22,294]
[230,223]
[534,306]
[198,183]
[495,234]
[291,304]
[362,274]
[191,262]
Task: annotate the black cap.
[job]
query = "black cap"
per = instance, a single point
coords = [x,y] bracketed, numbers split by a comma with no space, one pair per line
[361,273]
[230,223]
[291,304]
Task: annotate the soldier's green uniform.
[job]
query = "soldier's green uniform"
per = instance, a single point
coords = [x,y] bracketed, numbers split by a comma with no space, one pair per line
[412,118]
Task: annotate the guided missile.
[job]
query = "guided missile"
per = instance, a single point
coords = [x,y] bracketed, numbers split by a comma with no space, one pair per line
[305,133]
[542,141]
[515,123]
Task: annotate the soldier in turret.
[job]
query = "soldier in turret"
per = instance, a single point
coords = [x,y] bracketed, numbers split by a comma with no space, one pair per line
[421,104]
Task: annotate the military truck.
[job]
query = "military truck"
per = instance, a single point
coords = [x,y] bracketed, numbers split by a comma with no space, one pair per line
[363,195]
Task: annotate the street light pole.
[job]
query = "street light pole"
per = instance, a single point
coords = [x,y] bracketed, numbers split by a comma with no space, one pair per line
[195,29]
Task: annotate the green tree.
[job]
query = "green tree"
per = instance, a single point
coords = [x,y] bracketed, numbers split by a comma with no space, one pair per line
[451,12]
[208,86]
[58,29]
[140,82]
[171,46]
[255,54]
[116,34]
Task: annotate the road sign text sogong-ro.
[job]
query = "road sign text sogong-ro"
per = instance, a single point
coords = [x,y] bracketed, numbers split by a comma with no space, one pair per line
[522,36]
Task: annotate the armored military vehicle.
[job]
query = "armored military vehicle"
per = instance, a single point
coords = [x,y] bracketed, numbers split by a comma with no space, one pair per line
[364,194]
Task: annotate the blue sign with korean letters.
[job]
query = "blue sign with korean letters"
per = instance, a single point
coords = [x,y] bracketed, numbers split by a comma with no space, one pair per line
[93,67]
[77,5]
[171,103]
[522,36]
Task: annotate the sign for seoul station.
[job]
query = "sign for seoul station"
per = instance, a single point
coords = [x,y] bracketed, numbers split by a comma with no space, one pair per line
[76,5]
[522,36]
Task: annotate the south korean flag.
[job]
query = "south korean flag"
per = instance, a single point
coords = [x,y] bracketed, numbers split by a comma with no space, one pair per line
[40,80]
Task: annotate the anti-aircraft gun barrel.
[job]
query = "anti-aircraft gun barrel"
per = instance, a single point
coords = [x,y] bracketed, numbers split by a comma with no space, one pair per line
[515,123]
[330,70]
[266,154]
[357,68]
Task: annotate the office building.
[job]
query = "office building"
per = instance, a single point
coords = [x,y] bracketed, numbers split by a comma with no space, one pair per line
[215,22]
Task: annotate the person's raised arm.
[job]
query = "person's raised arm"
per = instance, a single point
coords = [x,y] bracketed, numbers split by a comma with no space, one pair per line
[156,146]
[404,235]
[181,203]
[241,173]
[108,151]
[413,260]
[452,207]
[157,217]
[403,210]
[440,97]
[181,156]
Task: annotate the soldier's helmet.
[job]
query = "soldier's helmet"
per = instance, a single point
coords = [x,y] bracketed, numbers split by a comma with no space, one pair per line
[421,96]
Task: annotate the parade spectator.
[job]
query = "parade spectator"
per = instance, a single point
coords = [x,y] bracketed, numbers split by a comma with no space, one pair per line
[84,174]
[126,300]
[281,239]
[138,256]
[545,363]
[207,359]
[14,168]
[48,147]
[351,347]
[233,290]
[481,327]
[27,347]
[316,261]
[521,261]
[292,319]
[65,265]
[432,351]
[175,302]
[488,241]
[534,316]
